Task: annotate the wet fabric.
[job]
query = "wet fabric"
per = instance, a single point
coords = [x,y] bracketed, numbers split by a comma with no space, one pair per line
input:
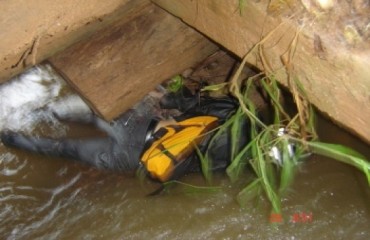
[219,152]
[119,151]
[127,136]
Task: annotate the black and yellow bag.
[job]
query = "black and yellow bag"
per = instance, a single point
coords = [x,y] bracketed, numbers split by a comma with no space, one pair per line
[174,144]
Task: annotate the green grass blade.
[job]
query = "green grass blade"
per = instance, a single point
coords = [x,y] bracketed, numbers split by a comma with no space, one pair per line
[343,154]
[300,87]
[236,132]
[247,105]
[311,123]
[250,192]
[274,93]
[236,166]
[205,164]
[221,130]
[214,87]
[175,84]
[266,182]
[242,4]
[287,169]
[191,189]
[270,167]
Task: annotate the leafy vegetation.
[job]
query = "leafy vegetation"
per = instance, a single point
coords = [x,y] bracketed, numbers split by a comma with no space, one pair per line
[175,84]
[276,149]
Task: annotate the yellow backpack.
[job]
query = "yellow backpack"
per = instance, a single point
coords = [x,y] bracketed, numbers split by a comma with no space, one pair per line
[174,144]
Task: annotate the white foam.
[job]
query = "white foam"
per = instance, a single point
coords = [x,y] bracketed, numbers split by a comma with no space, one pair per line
[33,97]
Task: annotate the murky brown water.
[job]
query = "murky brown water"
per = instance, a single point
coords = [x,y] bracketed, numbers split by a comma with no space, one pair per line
[42,198]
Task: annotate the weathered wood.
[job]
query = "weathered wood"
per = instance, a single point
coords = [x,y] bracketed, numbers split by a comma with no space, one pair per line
[335,77]
[34,30]
[119,65]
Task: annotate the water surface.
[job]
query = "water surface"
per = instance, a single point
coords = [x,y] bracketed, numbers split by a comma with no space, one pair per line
[48,198]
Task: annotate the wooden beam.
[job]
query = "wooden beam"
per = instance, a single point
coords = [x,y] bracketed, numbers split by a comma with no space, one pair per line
[335,75]
[34,30]
[119,65]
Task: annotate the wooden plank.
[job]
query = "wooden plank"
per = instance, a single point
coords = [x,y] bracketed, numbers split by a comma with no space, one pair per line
[334,74]
[34,30]
[118,66]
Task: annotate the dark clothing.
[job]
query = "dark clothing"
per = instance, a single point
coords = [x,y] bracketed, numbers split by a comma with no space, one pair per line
[127,136]
[193,105]
[119,151]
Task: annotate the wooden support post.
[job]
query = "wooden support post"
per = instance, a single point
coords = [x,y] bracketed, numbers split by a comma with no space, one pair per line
[334,76]
[34,30]
[117,66]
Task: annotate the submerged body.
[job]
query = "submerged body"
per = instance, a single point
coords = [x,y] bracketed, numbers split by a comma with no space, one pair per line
[113,152]
[132,133]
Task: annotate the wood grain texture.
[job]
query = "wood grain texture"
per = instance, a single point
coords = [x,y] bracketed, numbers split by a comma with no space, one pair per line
[335,78]
[119,65]
[34,30]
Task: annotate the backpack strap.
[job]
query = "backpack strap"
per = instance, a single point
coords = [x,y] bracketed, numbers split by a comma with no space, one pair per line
[174,144]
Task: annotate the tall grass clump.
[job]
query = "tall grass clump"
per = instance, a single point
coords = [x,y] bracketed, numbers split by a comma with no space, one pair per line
[276,149]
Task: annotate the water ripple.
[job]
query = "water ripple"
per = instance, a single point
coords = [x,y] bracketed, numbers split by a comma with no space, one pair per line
[47,212]
[56,191]
[7,158]
[21,97]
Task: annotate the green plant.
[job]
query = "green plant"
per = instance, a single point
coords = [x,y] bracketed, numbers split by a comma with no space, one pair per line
[241,6]
[175,83]
[275,173]
[269,153]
